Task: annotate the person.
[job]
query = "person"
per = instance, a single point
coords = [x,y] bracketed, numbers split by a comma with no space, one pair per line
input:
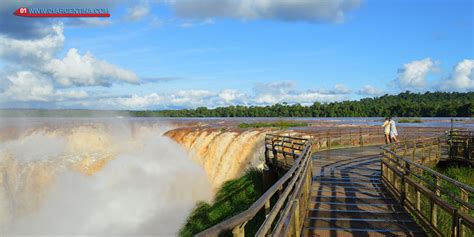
[393,130]
[386,126]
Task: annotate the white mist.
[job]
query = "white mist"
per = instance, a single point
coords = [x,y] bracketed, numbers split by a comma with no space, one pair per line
[147,189]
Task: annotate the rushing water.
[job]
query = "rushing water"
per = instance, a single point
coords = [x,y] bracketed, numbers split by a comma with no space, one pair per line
[223,154]
[96,179]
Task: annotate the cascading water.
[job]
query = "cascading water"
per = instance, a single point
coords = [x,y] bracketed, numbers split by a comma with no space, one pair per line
[97,180]
[224,154]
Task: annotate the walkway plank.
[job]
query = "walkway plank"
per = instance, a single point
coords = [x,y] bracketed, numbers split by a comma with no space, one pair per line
[348,198]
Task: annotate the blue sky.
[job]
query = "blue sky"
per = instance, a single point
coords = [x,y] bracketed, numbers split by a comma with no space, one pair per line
[184,54]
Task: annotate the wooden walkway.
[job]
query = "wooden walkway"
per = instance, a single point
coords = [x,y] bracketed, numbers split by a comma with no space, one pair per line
[348,198]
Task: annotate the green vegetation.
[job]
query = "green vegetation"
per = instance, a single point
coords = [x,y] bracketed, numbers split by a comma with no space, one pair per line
[279,124]
[462,174]
[410,120]
[232,198]
[406,104]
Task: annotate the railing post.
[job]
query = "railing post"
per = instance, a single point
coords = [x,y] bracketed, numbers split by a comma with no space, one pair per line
[418,200]
[467,154]
[434,207]
[267,155]
[455,224]
[403,194]
[464,197]
[414,151]
[438,149]
[297,217]
[267,207]
[361,139]
[423,147]
[381,164]
[429,152]
[275,153]
[239,231]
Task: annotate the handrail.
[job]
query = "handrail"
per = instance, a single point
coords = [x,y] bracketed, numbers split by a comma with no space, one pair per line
[293,188]
[461,145]
[431,171]
[435,174]
[242,218]
[402,176]
[295,195]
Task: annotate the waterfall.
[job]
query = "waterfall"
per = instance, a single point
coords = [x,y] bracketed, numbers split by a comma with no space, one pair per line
[224,154]
[97,180]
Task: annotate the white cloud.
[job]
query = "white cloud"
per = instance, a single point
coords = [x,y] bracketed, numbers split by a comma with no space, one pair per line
[183,99]
[38,56]
[32,51]
[193,23]
[279,87]
[278,92]
[28,86]
[89,22]
[340,89]
[137,12]
[156,21]
[462,77]
[136,101]
[308,97]
[25,86]
[285,10]
[264,94]
[413,74]
[229,95]
[370,90]
[86,70]
[34,72]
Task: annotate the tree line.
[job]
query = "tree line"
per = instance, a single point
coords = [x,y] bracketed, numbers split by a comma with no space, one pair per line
[405,104]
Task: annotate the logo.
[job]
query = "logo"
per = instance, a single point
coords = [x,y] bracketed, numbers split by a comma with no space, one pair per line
[62,12]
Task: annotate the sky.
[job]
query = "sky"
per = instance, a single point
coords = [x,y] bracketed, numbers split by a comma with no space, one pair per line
[177,54]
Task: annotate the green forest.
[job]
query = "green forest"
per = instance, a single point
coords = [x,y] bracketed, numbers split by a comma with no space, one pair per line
[406,104]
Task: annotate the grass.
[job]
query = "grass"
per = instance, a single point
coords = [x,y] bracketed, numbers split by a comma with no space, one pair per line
[278,124]
[462,174]
[232,198]
[410,120]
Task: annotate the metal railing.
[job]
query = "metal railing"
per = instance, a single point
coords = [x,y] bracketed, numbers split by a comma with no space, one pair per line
[440,204]
[291,193]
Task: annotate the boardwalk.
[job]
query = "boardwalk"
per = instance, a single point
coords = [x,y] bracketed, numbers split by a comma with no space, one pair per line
[357,191]
[348,198]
